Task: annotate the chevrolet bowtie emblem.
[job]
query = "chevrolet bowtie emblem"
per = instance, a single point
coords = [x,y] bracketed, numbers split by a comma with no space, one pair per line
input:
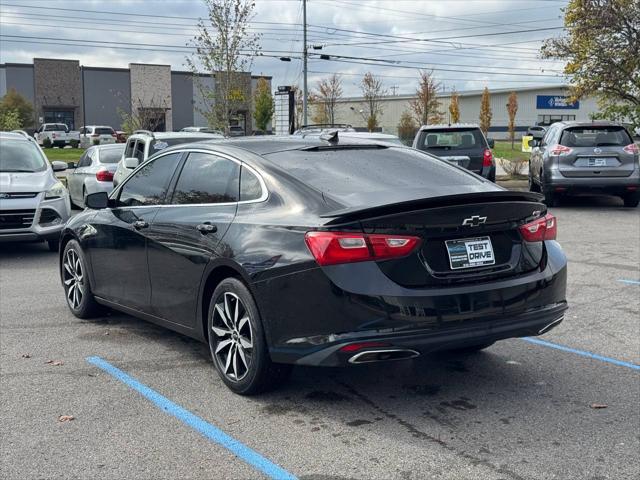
[474,221]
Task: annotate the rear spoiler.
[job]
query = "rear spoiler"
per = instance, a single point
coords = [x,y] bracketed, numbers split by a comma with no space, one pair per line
[355,213]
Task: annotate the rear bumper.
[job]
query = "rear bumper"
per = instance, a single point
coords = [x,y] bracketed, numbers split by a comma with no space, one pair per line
[595,184]
[310,315]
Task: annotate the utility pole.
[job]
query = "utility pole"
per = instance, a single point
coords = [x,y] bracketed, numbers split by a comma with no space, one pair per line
[304,62]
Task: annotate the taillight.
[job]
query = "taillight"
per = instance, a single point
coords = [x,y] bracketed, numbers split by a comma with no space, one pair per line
[632,149]
[561,150]
[487,158]
[53,135]
[104,176]
[113,135]
[331,248]
[544,228]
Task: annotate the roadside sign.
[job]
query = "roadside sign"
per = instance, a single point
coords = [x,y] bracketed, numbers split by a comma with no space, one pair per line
[525,143]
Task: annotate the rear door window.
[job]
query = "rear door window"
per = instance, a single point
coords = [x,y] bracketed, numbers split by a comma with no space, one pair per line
[139,151]
[207,178]
[459,139]
[148,186]
[594,136]
[130,148]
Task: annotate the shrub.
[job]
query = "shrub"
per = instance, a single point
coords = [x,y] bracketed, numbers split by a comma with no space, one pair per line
[74,143]
[46,143]
[512,167]
[96,141]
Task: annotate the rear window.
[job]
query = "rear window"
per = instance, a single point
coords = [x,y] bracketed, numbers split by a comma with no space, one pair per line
[458,139]
[111,155]
[104,131]
[595,137]
[350,173]
[56,127]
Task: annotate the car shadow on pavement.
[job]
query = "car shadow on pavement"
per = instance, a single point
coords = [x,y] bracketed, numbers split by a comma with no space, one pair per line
[31,249]
[591,201]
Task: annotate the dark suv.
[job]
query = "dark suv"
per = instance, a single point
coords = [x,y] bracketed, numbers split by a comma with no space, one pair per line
[461,144]
[574,157]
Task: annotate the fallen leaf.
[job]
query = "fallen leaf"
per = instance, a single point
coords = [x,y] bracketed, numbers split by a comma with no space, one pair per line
[55,363]
[598,405]
[66,418]
[26,355]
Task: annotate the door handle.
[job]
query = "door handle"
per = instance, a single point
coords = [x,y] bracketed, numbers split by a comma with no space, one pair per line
[140,224]
[206,227]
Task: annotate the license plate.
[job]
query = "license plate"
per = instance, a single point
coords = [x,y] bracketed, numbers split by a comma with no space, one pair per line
[597,162]
[470,252]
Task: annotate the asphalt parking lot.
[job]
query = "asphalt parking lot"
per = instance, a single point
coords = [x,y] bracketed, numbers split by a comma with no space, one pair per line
[519,410]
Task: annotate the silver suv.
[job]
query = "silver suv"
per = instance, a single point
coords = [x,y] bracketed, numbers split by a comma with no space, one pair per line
[142,144]
[34,204]
[592,157]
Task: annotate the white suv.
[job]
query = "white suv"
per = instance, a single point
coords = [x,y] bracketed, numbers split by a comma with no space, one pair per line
[34,204]
[143,143]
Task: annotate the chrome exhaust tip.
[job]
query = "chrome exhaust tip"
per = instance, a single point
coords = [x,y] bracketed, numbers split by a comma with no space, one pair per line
[550,326]
[370,356]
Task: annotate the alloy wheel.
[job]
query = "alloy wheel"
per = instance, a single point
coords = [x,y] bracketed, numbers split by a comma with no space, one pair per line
[73,278]
[231,326]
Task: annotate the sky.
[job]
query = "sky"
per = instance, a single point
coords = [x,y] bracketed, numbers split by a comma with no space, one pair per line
[468,44]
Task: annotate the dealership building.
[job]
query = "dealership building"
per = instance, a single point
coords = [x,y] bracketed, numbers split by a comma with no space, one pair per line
[541,105]
[63,91]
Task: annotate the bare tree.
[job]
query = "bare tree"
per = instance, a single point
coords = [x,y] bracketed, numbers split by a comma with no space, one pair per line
[149,115]
[512,109]
[224,48]
[372,92]
[426,106]
[326,97]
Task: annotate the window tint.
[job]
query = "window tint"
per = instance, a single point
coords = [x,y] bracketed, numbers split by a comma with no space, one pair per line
[250,188]
[85,160]
[104,131]
[459,139]
[593,136]
[128,151]
[111,155]
[21,156]
[139,153]
[148,185]
[207,178]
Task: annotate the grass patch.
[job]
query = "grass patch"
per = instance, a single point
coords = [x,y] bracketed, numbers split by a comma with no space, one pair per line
[502,149]
[63,154]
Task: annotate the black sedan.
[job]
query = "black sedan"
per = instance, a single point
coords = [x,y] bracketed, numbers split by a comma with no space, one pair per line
[281,251]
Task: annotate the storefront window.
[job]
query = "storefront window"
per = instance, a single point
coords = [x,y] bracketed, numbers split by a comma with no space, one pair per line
[60,116]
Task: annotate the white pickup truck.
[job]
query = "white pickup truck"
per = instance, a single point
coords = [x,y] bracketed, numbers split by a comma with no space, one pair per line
[58,133]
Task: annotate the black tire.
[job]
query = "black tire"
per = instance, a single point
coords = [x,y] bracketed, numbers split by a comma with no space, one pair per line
[550,198]
[243,363]
[53,245]
[82,303]
[533,186]
[631,200]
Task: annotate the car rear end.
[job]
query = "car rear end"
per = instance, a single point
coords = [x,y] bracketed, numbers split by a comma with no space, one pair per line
[104,169]
[409,266]
[466,147]
[104,135]
[595,158]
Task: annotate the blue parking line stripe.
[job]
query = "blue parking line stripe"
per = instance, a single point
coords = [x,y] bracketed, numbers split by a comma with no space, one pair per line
[209,431]
[629,282]
[595,356]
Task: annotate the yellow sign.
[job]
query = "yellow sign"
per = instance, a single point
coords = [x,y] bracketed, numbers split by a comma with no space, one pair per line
[236,95]
[525,143]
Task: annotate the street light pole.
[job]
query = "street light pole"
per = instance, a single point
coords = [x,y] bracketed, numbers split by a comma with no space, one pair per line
[304,62]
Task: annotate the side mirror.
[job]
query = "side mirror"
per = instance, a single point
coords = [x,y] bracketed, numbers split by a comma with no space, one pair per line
[131,163]
[534,142]
[59,166]
[97,201]
[492,143]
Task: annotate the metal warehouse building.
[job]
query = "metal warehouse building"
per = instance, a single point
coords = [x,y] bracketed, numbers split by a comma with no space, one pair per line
[536,106]
[64,91]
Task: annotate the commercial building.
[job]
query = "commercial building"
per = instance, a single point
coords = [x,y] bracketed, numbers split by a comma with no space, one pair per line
[65,91]
[536,106]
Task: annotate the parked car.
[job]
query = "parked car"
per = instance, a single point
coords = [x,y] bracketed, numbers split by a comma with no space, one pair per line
[202,130]
[34,205]
[280,251]
[461,144]
[58,133]
[579,157]
[536,131]
[94,172]
[236,131]
[367,136]
[121,136]
[142,144]
[101,133]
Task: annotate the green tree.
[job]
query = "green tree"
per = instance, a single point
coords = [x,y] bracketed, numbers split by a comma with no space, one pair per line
[13,101]
[512,109]
[407,128]
[454,107]
[263,105]
[426,105]
[600,48]
[10,120]
[485,111]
